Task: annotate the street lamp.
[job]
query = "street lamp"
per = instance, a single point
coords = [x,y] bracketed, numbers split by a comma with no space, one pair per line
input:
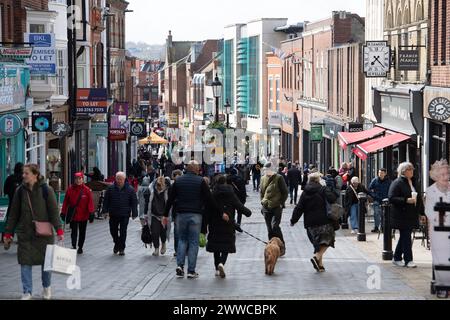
[227,107]
[217,91]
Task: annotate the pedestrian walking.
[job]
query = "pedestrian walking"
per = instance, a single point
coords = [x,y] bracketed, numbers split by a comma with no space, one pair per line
[154,208]
[143,197]
[96,175]
[175,174]
[78,208]
[120,201]
[221,228]
[343,173]
[352,202]
[274,194]
[313,204]
[190,194]
[11,184]
[294,176]
[256,176]
[379,190]
[239,188]
[33,201]
[305,177]
[406,207]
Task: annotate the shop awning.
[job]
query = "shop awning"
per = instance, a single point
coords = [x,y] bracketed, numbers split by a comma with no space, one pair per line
[153,139]
[364,149]
[347,138]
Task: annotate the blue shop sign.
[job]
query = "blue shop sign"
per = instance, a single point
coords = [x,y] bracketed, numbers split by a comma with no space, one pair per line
[10,125]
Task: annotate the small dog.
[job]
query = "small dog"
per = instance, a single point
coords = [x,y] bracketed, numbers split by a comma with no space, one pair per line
[271,254]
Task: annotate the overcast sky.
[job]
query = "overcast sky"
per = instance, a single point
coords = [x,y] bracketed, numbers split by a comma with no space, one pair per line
[205,19]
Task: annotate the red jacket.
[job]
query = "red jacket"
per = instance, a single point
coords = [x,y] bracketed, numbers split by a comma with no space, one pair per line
[86,205]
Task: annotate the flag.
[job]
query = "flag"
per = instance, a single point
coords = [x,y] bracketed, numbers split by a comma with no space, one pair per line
[279,53]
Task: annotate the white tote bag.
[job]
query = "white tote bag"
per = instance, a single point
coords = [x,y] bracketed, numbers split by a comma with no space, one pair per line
[60,260]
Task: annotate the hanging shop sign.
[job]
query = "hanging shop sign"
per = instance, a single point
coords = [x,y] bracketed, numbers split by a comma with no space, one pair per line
[99,129]
[117,135]
[138,128]
[121,109]
[275,119]
[396,113]
[16,53]
[408,60]
[355,127]
[155,112]
[43,59]
[377,59]
[173,119]
[439,109]
[41,121]
[92,100]
[221,117]
[10,125]
[61,129]
[316,134]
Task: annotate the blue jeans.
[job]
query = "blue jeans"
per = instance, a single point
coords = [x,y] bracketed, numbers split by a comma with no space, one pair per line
[188,230]
[354,216]
[27,278]
[377,214]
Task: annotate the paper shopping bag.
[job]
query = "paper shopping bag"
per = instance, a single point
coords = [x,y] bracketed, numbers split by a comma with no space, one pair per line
[60,260]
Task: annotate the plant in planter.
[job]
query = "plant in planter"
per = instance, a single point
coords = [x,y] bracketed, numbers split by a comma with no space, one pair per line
[217,125]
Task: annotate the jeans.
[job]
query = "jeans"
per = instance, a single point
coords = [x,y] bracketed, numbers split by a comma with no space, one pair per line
[27,278]
[158,232]
[220,258]
[118,228]
[377,214]
[404,247]
[293,191]
[188,229]
[256,181]
[273,220]
[78,226]
[354,216]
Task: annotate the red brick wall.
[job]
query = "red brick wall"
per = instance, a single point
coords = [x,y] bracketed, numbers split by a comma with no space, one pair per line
[440,66]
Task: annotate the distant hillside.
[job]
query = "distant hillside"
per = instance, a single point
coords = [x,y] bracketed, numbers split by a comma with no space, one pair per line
[146,51]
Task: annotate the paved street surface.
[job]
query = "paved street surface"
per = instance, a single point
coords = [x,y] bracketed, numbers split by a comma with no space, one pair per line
[140,276]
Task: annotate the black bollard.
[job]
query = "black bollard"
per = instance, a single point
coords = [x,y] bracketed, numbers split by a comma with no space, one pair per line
[387,232]
[344,224]
[362,199]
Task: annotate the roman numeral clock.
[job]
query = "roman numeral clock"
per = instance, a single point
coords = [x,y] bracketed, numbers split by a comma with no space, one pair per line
[377,59]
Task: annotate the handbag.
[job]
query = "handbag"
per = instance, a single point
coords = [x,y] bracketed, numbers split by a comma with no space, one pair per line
[42,228]
[72,209]
[60,260]
[146,236]
[333,212]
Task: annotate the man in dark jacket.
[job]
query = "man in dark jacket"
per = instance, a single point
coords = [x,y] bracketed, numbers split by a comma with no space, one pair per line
[120,201]
[189,195]
[379,190]
[11,184]
[294,176]
[239,188]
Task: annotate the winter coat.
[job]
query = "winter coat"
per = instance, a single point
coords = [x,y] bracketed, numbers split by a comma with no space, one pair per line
[221,236]
[256,170]
[120,202]
[142,193]
[350,196]
[239,188]
[31,249]
[404,215]
[294,177]
[150,205]
[274,191]
[11,184]
[312,204]
[85,206]
[379,189]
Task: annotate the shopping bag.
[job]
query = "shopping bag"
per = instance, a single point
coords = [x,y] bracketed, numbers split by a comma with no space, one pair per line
[60,260]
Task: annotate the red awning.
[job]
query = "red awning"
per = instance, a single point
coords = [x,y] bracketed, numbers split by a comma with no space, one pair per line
[347,138]
[364,149]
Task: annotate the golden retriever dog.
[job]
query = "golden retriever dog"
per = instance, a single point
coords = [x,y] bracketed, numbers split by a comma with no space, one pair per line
[272,253]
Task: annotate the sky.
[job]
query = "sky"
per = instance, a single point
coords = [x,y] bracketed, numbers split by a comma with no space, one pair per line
[205,19]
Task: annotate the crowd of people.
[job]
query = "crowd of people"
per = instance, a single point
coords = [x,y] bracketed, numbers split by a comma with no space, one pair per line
[198,203]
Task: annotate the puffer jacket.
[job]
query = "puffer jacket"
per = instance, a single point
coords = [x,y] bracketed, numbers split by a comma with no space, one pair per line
[274,191]
[120,202]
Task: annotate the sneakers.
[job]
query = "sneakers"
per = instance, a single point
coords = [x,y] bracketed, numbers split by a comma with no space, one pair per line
[26,296]
[47,293]
[221,271]
[355,231]
[398,263]
[180,272]
[411,265]
[217,273]
[80,251]
[163,248]
[192,275]
[156,252]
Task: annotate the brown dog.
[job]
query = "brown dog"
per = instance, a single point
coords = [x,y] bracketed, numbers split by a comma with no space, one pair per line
[272,253]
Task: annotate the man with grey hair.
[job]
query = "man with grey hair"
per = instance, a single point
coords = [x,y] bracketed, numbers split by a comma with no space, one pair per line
[120,201]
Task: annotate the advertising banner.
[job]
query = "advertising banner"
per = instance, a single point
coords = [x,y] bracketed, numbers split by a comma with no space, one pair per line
[43,58]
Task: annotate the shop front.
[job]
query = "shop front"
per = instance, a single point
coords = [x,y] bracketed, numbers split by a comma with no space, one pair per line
[14,82]
[436,114]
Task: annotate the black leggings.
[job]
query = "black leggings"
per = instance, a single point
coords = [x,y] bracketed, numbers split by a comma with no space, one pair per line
[81,226]
[220,258]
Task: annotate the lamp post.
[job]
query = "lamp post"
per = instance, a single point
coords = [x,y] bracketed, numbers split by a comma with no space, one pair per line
[217,90]
[227,108]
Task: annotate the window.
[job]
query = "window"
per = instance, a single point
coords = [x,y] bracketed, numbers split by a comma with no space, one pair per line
[37,28]
[444,33]
[278,93]
[61,73]
[436,33]
[270,93]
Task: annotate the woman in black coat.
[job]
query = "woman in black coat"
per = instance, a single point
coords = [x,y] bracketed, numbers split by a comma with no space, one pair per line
[221,236]
[406,207]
